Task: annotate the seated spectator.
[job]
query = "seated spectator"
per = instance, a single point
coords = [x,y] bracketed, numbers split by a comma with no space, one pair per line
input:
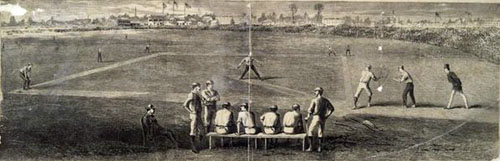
[151,128]
[292,121]
[224,123]
[271,121]
[247,120]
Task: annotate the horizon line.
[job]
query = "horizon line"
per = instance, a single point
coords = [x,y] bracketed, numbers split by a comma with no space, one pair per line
[391,1]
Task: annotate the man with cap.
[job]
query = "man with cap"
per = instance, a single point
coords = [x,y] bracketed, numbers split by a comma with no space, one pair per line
[246,121]
[321,108]
[271,121]
[456,86]
[408,80]
[210,98]
[249,64]
[292,121]
[25,74]
[224,123]
[99,55]
[364,84]
[194,106]
[151,128]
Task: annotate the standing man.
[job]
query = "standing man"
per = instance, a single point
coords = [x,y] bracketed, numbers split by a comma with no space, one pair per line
[99,55]
[457,86]
[320,109]
[271,121]
[249,64]
[406,78]
[224,123]
[193,106]
[348,50]
[210,98]
[148,48]
[25,74]
[292,121]
[247,120]
[364,84]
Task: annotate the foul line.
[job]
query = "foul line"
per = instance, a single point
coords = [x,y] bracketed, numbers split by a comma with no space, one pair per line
[419,144]
[97,70]
[85,93]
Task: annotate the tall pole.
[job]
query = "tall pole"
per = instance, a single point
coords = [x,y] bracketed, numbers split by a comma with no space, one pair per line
[250,51]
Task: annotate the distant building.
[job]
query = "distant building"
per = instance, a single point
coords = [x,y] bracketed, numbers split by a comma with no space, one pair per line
[156,20]
[333,21]
[123,22]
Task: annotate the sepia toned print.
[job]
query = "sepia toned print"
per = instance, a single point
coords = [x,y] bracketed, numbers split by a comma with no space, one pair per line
[249,80]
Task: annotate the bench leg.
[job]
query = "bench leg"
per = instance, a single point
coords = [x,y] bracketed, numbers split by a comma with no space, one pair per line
[230,142]
[303,144]
[255,143]
[221,142]
[210,142]
[265,143]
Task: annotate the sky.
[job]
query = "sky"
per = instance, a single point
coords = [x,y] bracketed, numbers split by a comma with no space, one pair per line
[71,9]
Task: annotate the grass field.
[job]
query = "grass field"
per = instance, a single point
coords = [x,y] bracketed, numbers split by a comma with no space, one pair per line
[75,119]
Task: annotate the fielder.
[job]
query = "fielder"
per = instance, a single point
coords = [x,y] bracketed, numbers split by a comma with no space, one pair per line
[99,55]
[25,74]
[457,86]
[249,64]
[148,48]
[348,50]
[408,80]
[210,98]
[364,84]
[320,109]
[193,106]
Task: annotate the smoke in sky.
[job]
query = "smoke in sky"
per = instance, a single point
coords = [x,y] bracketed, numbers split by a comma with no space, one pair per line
[14,10]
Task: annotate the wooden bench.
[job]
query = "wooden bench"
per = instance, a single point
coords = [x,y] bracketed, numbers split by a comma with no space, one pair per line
[258,136]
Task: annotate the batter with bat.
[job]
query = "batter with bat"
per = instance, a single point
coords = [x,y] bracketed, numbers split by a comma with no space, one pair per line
[408,80]
[364,84]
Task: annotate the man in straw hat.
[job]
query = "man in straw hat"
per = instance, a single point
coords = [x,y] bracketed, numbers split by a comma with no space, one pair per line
[210,98]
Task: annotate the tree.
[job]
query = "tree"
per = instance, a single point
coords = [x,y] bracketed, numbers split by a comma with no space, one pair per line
[293,9]
[262,18]
[12,21]
[232,21]
[30,21]
[319,8]
[368,21]
[306,17]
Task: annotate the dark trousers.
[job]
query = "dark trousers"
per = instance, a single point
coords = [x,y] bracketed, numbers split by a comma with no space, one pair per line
[253,69]
[347,52]
[408,90]
[26,81]
[99,57]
